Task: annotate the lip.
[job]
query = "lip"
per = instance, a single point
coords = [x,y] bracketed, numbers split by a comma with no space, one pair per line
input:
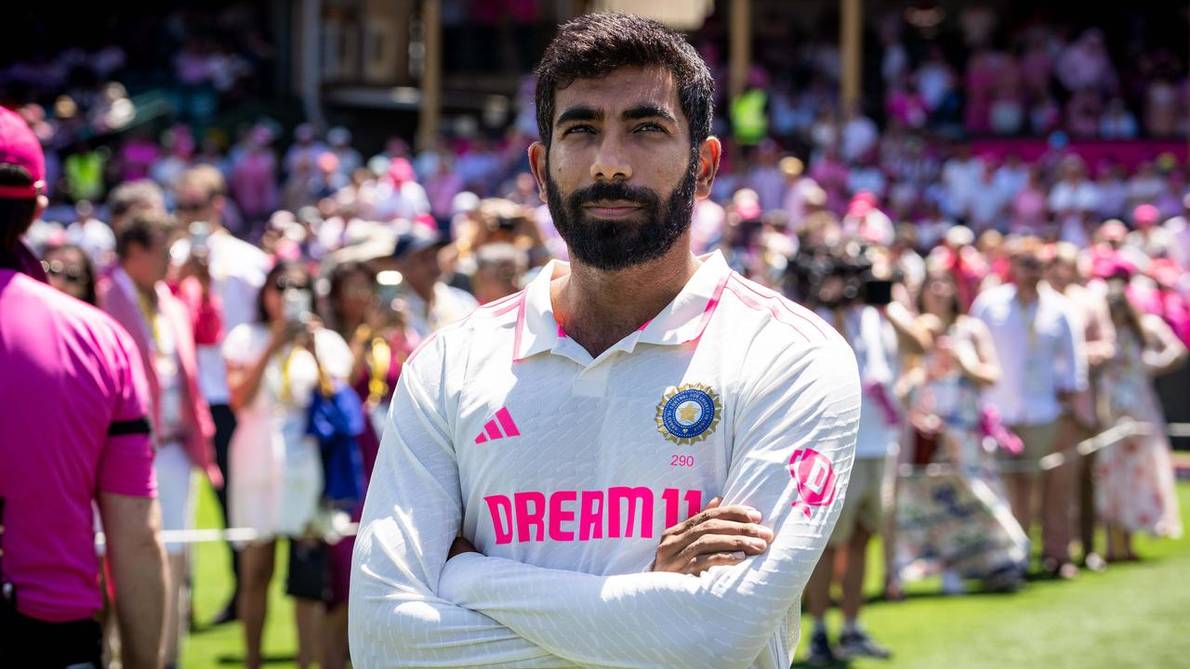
[611,209]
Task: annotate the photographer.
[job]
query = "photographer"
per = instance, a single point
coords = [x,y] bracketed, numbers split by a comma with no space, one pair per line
[219,273]
[842,287]
[275,365]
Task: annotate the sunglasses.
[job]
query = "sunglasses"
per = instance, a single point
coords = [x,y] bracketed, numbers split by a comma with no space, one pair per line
[189,207]
[67,274]
[283,284]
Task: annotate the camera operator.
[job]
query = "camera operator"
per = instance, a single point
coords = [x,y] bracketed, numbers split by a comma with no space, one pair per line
[841,285]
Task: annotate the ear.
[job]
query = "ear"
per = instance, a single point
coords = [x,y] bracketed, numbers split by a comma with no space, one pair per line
[538,164]
[709,153]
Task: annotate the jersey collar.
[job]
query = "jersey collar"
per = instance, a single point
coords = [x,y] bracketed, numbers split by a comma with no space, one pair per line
[681,321]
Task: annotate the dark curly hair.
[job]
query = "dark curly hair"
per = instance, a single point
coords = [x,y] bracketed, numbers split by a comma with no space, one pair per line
[594,45]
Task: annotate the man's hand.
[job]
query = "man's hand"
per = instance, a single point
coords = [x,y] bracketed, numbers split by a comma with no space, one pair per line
[460,546]
[715,536]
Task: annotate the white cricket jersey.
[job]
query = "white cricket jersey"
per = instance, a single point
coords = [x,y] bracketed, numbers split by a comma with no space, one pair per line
[564,471]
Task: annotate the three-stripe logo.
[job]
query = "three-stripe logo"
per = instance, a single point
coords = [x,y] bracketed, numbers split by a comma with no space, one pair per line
[499,427]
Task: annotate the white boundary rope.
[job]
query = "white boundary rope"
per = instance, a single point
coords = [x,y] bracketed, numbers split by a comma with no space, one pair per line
[234,534]
[1109,437]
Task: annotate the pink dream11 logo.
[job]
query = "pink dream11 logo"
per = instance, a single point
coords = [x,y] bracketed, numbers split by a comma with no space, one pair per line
[814,475]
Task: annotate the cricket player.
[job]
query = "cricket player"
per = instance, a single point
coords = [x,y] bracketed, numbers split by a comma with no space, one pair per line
[637,460]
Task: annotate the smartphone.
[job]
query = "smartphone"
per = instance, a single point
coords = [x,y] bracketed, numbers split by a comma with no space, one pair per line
[200,234]
[295,305]
[878,292]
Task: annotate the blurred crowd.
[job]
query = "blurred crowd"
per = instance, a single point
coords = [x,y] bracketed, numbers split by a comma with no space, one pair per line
[984,345]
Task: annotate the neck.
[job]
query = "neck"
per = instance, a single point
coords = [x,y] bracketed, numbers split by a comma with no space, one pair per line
[143,284]
[599,308]
[426,293]
[1026,293]
[349,325]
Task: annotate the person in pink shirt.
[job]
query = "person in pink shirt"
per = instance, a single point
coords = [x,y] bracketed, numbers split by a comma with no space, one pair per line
[75,434]
[134,293]
[906,105]
[1029,215]
[254,178]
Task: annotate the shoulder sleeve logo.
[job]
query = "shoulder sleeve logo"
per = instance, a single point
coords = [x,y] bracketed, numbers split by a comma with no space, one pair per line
[688,413]
[814,474]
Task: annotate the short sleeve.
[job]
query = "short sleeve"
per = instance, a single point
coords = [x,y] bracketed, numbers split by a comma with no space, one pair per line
[334,354]
[126,461]
[242,345]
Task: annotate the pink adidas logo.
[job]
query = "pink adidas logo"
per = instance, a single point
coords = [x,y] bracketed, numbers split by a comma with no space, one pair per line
[492,430]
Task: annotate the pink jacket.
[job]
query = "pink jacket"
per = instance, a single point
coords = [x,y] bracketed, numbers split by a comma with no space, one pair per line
[206,311]
[195,412]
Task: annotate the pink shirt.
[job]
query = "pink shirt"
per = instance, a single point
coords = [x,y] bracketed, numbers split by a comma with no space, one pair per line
[73,405]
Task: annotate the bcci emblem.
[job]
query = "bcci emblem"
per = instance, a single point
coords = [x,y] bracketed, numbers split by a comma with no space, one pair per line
[689,413]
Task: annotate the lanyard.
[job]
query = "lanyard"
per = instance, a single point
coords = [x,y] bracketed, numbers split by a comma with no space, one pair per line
[325,385]
[1029,317]
[380,359]
[286,381]
[148,311]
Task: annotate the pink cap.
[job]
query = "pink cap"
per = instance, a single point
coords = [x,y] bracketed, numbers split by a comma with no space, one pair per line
[862,204]
[747,204]
[1111,265]
[400,171]
[328,162]
[19,146]
[1145,214]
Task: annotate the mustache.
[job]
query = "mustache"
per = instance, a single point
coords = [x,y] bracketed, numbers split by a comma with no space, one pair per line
[612,191]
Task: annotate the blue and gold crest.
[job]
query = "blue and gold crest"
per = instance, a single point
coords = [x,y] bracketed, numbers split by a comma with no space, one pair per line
[688,413]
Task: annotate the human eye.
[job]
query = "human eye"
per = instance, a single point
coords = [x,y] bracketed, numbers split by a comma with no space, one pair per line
[580,128]
[649,127]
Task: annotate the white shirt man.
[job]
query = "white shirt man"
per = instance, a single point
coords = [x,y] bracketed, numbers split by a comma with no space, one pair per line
[450,305]
[238,271]
[565,470]
[875,344]
[537,498]
[961,176]
[1040,353]
[859,137]
[1071,201]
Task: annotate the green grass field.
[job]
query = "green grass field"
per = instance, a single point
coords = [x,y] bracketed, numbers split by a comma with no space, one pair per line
[1132,615]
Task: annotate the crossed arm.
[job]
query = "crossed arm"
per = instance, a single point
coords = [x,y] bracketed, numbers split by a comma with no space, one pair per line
[409,605]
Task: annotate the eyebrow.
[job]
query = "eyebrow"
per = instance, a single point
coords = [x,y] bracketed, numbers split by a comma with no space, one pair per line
[648,111]
[579,114]
[634,113]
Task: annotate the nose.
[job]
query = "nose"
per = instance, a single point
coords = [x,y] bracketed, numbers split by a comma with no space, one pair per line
[611,162]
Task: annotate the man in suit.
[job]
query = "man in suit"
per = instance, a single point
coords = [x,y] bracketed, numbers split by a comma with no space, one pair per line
[135,295]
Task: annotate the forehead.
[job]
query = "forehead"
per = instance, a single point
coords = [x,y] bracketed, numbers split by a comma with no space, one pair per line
[191,192]
[622,89]
[66,255]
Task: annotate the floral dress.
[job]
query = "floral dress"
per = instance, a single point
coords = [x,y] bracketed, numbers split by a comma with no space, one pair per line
[956,517]
[1135,488]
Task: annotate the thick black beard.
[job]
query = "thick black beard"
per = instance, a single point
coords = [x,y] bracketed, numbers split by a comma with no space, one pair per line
[616,245]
